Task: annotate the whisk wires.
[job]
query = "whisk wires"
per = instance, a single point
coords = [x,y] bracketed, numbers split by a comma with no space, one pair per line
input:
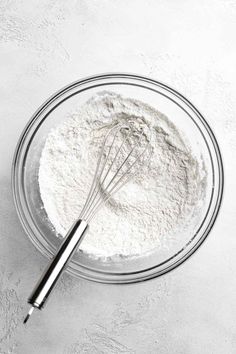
[117,164]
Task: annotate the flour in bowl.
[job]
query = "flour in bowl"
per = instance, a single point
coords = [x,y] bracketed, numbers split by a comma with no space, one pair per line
[146,212]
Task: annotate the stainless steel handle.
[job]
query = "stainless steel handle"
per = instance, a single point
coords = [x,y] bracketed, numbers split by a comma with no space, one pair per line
[52,273]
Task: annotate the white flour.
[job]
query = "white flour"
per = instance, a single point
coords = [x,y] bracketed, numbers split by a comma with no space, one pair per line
[148,210]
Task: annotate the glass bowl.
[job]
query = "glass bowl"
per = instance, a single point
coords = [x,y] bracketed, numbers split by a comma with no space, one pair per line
[26,165]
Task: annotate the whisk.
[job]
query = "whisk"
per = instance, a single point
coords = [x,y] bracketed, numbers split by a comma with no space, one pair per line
[124,153]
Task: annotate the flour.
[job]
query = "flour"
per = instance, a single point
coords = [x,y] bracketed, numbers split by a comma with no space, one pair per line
[149,210]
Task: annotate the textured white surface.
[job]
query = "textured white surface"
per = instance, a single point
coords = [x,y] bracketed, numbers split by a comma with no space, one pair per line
[190,45]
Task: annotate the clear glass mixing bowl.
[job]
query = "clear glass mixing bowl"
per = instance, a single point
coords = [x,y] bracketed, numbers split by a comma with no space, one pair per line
[26,165]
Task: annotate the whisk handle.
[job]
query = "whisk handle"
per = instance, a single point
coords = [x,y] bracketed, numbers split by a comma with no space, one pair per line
[58,264]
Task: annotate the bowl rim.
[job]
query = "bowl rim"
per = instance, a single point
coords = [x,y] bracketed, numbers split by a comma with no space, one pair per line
[98,276]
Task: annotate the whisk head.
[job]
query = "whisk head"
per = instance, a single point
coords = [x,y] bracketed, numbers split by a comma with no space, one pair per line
[124,153]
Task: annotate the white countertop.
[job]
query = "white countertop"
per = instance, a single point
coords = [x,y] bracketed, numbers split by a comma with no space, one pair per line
[189,45]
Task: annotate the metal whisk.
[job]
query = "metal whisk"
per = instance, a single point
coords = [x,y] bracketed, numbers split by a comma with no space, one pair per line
[124,153]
